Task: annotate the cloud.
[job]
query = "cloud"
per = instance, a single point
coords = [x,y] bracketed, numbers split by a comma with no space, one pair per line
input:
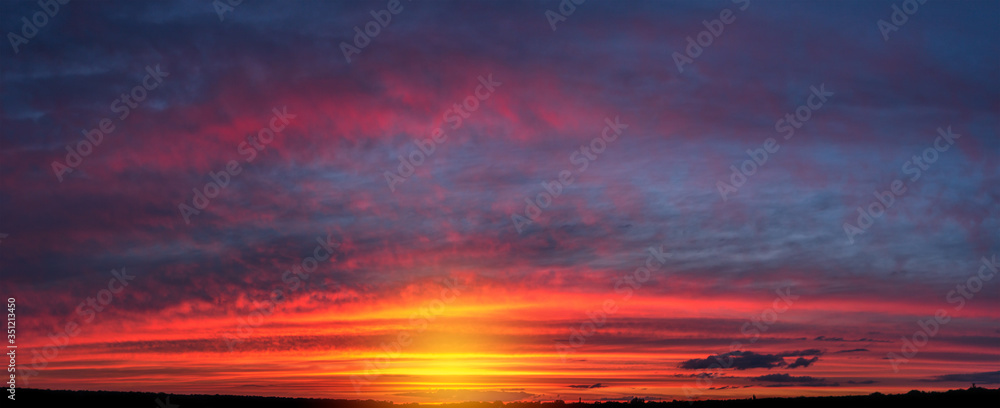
[864,382]
[468,395]
[802,362]
[990,377]
[743,360]
[785,380]
[740,360]
[598,385]
[861,340]
[783,377]
[850,351]
[798,353]
[697,375]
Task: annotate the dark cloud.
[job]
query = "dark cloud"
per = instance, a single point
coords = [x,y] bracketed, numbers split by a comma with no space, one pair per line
[991,377]
[803,362]
[697,375]
[598,385]
[468,395]
[743,360]
[787,378]
[740,360]
[799,353]
[841,339]
[851,350]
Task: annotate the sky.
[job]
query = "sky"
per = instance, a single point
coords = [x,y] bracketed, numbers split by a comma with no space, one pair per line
[519,200]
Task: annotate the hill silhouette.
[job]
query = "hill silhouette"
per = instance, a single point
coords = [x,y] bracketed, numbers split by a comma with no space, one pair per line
[962,398]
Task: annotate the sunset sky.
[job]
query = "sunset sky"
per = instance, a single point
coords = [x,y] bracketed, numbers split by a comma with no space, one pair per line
[518,200]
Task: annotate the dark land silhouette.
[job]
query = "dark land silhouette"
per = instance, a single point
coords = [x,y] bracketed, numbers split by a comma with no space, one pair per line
[962,398]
